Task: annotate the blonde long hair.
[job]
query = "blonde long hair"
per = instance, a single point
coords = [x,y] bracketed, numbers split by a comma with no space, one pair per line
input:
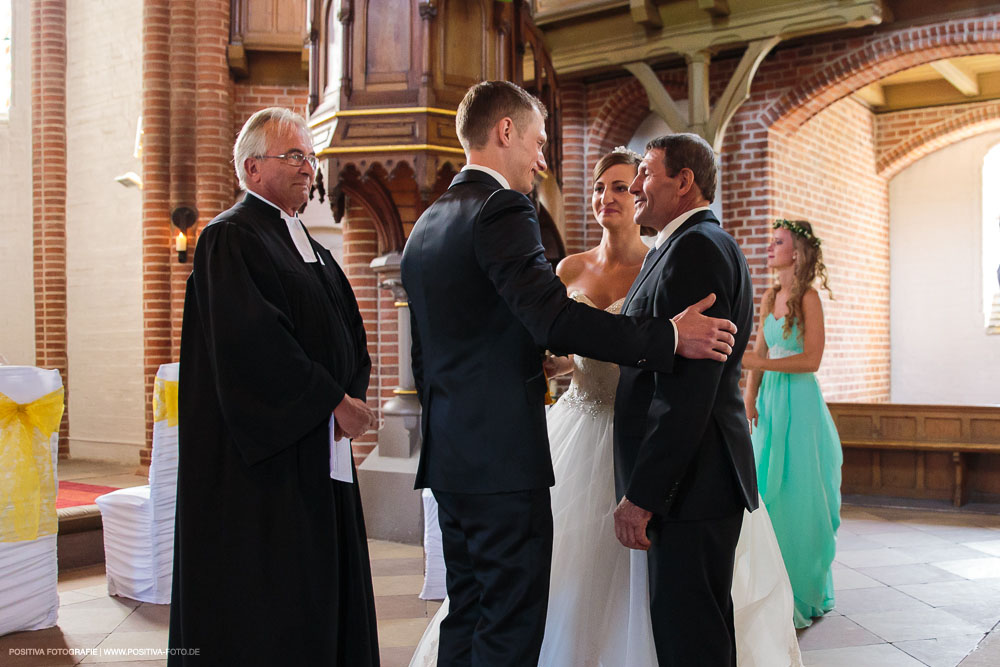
[808,267]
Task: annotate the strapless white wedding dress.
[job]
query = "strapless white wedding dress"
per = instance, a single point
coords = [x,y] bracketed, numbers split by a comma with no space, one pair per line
[598,613]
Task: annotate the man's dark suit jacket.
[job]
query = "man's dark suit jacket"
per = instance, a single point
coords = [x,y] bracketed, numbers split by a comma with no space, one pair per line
[682,444]
[484,304]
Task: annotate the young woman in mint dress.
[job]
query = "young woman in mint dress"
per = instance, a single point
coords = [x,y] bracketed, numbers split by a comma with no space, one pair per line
[795,441]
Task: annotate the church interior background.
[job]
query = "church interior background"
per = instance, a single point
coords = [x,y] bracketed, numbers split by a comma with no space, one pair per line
[877,120]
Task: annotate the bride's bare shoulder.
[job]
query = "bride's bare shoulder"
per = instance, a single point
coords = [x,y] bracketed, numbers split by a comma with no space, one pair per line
[573,266]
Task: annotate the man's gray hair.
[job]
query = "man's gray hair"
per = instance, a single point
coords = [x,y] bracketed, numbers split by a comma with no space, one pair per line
[252,141]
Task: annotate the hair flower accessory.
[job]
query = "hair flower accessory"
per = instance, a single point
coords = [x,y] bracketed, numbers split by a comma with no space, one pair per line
[795,227]
[625,150]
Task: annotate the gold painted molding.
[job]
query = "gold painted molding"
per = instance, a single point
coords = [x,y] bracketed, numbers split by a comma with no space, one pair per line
[401,304]
[345,113]
[389,148]
[405,392]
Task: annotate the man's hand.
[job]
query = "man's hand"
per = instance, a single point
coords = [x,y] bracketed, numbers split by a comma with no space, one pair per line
[702,337]
[630,525]
[353,418]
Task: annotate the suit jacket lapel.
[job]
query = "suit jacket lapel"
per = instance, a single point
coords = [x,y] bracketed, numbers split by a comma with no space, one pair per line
[647,268]
[654,259]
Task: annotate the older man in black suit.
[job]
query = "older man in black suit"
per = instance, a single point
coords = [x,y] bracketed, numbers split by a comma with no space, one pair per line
[485,303]
[684,466]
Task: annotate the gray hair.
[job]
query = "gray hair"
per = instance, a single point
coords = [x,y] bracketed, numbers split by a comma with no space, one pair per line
[252,140]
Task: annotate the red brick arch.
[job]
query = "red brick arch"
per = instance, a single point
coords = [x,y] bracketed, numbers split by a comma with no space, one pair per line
[623,112]
[920,144]
[876,59]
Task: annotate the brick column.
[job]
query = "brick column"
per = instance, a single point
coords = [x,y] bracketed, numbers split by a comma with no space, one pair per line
[183,144]
[216,179]
[156,251]
[48,144]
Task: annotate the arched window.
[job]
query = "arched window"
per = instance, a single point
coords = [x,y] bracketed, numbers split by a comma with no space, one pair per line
[6,30]
[991,239]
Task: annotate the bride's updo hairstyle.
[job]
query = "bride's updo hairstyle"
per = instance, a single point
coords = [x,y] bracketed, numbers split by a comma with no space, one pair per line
[620,155]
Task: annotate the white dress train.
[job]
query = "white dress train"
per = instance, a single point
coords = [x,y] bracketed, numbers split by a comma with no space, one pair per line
[598,613]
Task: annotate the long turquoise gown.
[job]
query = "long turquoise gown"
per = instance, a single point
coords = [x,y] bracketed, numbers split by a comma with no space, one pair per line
[798,474]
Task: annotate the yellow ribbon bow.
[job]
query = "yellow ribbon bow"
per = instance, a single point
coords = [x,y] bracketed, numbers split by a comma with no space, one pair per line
[165,401]
[27,480]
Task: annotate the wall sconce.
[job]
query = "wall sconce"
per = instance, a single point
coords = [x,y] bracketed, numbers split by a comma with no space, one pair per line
[130,179]
[183,218]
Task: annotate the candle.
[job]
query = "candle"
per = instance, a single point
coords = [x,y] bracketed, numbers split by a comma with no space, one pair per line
[182,242]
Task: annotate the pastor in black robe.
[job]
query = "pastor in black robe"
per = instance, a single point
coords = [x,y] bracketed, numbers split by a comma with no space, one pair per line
[271,559]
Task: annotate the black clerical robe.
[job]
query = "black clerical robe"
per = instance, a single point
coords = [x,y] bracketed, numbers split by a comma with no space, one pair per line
[270,557]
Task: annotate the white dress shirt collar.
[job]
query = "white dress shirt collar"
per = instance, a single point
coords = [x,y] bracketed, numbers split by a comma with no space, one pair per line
[674,224]
[296,231]
[492,172]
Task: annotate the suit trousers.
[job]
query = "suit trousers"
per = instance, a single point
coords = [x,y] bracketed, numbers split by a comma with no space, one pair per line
[498,552]
[690,591]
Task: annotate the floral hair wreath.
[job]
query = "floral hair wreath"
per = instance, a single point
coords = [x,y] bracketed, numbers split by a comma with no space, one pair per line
[795,227]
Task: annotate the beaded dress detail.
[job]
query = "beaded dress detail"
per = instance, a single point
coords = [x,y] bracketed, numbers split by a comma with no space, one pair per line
[594,382]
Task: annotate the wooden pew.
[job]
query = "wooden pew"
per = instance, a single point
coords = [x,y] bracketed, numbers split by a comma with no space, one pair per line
[920,451]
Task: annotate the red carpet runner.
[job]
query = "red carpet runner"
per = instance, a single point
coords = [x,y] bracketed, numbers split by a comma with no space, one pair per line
[72,494]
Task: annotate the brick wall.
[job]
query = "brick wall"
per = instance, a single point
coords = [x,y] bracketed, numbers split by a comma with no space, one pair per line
[773,162]
[825,173]
[48,133]
[248,98]
[103,235]
[903,137]
[17,317]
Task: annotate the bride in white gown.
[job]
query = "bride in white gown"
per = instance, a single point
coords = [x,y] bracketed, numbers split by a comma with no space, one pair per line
[598,612]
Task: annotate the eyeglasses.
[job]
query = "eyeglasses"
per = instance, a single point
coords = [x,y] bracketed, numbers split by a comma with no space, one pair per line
[295,158]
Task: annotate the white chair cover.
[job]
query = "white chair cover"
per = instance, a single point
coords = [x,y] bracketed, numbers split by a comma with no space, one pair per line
[29,599]
[139,521]
[434,570]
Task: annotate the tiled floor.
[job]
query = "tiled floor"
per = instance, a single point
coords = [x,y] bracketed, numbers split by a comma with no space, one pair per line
[913,588]
[101,473]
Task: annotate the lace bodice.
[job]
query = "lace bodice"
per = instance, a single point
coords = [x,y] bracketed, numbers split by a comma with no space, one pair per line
[594,382]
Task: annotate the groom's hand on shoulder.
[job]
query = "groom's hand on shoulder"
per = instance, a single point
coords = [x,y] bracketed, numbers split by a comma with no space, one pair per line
[703,337]
[630,525]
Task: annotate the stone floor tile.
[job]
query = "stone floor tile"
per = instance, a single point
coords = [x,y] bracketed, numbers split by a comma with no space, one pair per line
[942,593]
[378,549]
[987,654]
[917,573]
[876,655]
[991,547]
[973,568]
[396,656]
[399,606]
[72,597]
[938,554]
[847,578]
[941,652]
[960,533]
[401,632]
[83,577]
[404,584]
[390,566]
[146,617]
[130,663]
[984,616]
[908,538]
[875,557]
[835,632]
[872,600]
[874,526]
[852,542]
[908,624]
[84,618]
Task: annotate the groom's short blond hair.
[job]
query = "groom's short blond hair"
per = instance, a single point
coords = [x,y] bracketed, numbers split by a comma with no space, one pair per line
[486,103]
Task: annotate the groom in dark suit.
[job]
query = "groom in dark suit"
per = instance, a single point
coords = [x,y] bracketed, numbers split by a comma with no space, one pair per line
[684,466]
[484,304]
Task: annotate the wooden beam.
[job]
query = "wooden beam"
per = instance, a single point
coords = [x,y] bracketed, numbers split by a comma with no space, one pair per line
[873,94]
[737,90]
[660,101]
[958,76]
[644,12]
[716,8]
